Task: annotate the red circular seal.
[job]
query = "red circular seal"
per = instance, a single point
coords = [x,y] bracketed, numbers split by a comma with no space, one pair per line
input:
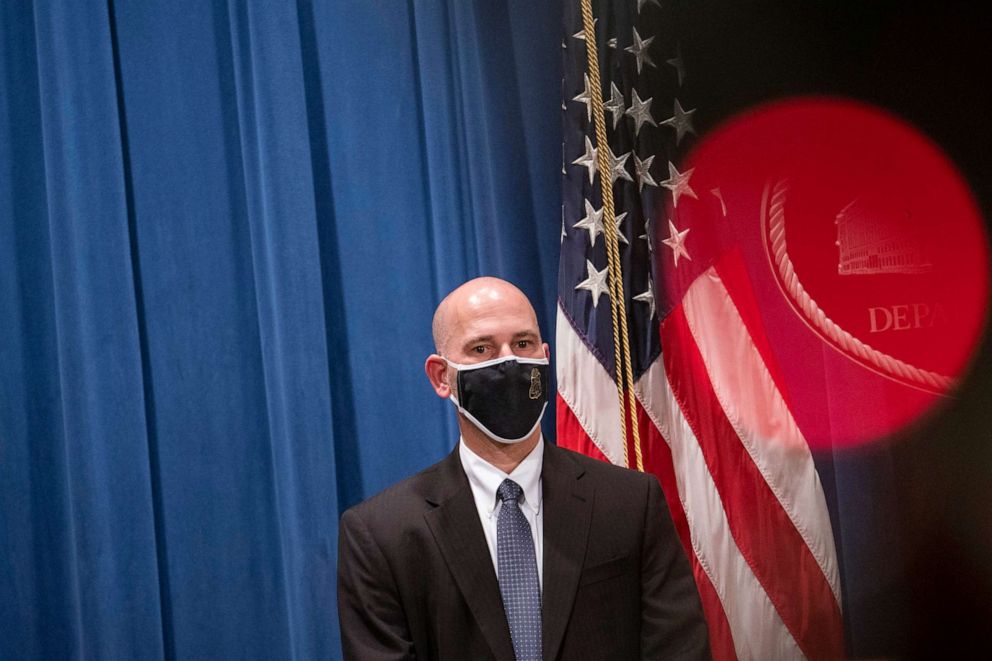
[864,250]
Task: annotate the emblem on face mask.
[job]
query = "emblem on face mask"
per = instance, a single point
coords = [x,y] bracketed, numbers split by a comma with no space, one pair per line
[535,384]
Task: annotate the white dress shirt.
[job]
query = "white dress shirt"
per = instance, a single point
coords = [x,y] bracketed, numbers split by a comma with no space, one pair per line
[485,479]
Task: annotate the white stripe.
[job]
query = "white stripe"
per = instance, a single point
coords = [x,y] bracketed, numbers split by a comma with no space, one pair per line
[760,416]
[588,389]
[757,629]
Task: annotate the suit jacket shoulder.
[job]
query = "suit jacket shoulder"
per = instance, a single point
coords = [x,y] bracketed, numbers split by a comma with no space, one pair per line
[399,502]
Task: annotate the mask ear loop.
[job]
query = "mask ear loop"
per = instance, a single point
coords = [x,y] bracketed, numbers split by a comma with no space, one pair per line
[458,367]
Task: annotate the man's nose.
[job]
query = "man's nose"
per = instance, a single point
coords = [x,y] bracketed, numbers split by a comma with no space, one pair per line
[505,350]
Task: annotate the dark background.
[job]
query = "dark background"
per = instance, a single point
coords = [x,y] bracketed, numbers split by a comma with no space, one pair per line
[929,64]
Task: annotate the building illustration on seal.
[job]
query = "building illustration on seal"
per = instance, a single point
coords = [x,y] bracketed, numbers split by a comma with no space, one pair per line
[872,239]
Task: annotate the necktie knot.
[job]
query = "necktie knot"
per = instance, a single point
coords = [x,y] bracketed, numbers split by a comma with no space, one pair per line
[509,491]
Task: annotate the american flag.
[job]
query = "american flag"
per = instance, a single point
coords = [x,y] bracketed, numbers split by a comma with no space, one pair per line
[713,425]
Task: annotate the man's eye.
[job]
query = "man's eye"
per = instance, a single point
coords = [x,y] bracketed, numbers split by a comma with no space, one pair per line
[523,344]
[479,349]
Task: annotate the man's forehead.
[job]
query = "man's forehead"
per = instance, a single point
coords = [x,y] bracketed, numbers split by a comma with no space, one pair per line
[496,315]
[495,320]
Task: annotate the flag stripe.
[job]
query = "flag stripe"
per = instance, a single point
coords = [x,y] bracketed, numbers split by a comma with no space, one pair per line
[758,630]
[588,390]
[658,461]
[571,435]
[736,280]
[755,409]
[773,548]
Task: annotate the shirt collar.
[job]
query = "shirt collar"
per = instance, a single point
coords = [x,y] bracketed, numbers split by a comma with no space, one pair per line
[484,478]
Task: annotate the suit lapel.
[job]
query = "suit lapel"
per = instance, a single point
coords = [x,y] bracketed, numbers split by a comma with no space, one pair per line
[567,513]
[455,524]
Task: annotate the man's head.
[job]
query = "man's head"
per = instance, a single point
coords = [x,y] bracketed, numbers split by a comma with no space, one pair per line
[483,319]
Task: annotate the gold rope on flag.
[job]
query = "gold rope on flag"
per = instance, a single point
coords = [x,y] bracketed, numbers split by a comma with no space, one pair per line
[618,308]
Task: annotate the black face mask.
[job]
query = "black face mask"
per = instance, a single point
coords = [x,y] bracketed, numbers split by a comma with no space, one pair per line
[505,397]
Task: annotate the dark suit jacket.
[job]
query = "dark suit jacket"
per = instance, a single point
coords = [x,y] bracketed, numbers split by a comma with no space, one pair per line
[416,580]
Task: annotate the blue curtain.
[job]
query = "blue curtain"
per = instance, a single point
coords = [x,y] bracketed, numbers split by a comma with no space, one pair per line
[223,231]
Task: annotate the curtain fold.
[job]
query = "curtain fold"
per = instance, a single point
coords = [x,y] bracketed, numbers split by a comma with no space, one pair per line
[77,531]
[223,231]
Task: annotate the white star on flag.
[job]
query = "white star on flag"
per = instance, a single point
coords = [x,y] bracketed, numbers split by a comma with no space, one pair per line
[593,222]
[676,241]
[595,283]
[643,170]
[647,297]
[588,160]
[640,50]
[620,237]
[681,121]
[586,98]
[640,111]
[678,183]
[616,104]
[618,167]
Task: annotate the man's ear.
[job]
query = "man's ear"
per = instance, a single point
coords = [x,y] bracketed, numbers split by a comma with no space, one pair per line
[436,368]
[547,351]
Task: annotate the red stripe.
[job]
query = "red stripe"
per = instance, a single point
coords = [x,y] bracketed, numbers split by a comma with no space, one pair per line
[571,435]
[657,457]
[766,537]
[658,461]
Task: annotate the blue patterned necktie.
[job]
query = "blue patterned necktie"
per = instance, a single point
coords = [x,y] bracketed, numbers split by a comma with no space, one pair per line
[517,567]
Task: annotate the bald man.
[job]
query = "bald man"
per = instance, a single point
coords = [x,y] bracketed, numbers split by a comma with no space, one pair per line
[512,548]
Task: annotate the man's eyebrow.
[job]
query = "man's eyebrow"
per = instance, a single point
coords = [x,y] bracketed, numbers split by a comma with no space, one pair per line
[527,334]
